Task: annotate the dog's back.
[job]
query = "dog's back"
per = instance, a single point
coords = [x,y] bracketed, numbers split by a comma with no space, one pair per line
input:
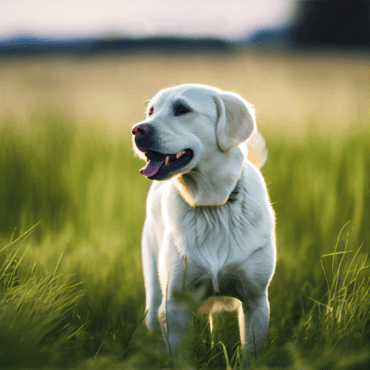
[257,151]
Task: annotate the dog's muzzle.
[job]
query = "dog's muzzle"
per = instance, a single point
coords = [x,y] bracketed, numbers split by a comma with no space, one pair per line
[160,166]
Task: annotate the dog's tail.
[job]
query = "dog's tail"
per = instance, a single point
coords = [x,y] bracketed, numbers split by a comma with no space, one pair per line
[257,151]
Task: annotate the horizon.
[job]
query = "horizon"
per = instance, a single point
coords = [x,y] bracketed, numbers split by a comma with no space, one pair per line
[55,20]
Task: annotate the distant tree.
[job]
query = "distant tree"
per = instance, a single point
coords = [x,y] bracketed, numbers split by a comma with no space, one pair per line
[333,22]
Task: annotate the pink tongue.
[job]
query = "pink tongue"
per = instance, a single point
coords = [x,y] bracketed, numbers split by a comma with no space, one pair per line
[151,168]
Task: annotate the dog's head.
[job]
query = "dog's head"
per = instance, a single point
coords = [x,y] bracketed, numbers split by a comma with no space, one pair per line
[193,131]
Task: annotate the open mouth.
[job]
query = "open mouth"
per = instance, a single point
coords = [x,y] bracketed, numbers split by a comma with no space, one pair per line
[159,165]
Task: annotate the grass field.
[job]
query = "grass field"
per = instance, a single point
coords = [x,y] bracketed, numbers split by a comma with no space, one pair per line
[71,288]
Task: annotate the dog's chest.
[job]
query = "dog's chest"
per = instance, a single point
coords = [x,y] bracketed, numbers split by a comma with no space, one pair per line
[214,238]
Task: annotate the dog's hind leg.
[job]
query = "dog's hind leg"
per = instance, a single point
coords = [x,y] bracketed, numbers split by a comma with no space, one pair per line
[210,318]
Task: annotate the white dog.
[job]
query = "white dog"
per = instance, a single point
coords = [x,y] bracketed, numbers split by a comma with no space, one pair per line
[210,228]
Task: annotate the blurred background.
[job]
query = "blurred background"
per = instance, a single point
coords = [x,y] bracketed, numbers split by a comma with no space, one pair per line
[76,75]
[291,59]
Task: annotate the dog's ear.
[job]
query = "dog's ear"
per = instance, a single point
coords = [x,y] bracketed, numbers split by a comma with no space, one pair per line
[236,120]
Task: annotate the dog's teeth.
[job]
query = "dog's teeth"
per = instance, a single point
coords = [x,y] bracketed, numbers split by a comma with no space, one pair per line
[167,160]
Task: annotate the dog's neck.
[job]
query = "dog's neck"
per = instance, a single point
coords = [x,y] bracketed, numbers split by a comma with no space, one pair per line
[211,186]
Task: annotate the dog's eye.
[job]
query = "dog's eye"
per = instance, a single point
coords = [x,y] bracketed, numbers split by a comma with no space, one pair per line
[181,109]
[151,110]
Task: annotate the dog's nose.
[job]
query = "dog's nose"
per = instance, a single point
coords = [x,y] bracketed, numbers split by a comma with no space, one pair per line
[140,129]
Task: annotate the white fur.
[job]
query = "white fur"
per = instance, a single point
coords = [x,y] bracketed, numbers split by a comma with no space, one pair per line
[194,238]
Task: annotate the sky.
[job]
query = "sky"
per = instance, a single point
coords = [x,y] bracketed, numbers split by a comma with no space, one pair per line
[229,19]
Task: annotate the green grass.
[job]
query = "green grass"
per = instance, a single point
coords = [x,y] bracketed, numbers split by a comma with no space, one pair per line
[71,289]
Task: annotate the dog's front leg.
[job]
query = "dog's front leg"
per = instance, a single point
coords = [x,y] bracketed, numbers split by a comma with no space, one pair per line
[175,323]
[174,312]
[254,314]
